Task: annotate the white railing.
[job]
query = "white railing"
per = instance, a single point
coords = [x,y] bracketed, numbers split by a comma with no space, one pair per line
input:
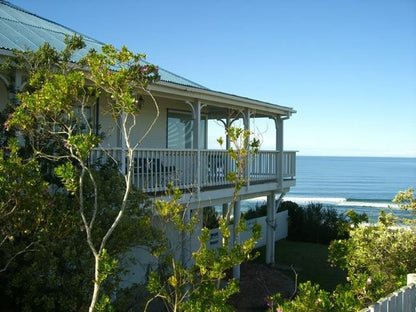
[403,299]
[154,169]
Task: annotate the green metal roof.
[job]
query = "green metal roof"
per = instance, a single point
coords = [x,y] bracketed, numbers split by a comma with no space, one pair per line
[20,29]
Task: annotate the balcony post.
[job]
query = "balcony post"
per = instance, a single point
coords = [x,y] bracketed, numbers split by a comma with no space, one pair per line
[236,236]
[270,230]
[186,241]
[247,169]
[279,148]
[196,144]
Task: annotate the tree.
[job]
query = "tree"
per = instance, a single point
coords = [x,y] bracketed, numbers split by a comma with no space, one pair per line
[25,204]
[406,201]
[56,132]
[203,286]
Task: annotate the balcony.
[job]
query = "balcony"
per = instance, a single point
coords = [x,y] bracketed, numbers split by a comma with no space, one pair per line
[154,169]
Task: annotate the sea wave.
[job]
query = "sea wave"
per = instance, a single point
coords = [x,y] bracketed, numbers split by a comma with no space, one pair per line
[320,200]
[343,202]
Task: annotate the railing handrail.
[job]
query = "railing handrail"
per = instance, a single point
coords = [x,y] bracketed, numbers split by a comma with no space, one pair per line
[154,168]
[183,150]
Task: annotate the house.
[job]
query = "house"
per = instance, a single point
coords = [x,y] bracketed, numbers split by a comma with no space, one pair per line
[176,149]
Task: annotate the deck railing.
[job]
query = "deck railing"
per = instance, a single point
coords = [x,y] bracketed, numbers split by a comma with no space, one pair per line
[154,169]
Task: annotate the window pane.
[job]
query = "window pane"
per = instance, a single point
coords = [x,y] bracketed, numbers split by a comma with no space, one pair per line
[180,130]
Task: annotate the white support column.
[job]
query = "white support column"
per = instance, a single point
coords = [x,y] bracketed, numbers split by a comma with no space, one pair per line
[197,143]
[186,241]
[270,230]
[224,209]
[18,82]
[227,137]
[279,148]
[236,236]
[246,115]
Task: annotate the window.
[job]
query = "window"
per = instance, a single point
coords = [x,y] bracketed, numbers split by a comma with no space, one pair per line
[83,119]
[180,130]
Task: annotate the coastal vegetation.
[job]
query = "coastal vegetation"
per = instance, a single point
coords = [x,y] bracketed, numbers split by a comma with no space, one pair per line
[376,258]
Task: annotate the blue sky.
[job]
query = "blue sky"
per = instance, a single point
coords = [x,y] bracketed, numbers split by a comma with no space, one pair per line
[347,66]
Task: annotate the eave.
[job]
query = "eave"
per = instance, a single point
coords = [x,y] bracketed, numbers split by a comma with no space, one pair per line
[220,99]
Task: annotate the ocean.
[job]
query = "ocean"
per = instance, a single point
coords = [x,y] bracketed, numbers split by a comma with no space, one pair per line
[364,184]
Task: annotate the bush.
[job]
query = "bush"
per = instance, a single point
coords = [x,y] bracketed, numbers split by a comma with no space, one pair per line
[377,258]
[258,212]
[210,218]
[314,223]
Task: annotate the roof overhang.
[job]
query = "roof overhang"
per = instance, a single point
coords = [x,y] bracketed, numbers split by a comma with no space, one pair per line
[219,99]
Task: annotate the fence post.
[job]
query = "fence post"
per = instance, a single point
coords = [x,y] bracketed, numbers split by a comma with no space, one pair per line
[411,279]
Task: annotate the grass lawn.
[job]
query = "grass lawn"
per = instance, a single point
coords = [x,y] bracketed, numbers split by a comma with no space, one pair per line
[310,262]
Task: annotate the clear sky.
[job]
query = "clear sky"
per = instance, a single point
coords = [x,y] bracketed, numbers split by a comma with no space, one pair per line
[347,66]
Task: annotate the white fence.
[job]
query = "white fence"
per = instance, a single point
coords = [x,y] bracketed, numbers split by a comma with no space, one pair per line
[402,300]
[281,230]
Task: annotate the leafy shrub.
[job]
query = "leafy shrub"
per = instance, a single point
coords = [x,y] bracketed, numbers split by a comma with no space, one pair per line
[377,258]
[259,211]
[314,223]
[311,298]
[210,218]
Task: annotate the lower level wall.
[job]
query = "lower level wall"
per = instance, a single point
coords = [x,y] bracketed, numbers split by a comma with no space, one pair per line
[281,230]
[140,262]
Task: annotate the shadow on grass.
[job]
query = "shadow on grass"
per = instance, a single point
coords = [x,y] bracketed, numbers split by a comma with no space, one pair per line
[310,262]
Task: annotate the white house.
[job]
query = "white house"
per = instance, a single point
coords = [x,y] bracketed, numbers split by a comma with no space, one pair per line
[176,150]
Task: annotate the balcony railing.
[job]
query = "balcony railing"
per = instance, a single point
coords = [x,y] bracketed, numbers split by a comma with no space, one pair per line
[154,169]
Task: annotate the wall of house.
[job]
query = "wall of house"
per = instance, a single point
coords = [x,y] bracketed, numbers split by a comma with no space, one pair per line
[156,137]
[144,261]
[139,261]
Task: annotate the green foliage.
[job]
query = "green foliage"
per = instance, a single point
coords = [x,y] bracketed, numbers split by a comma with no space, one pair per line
[68,175]
[121,74]
[377,258]
[51,115]
[406,201]
[25,206]
[311,298]
[60,269]
[315,224]
[258,212]
[210,218]
[201,287]
[204,286]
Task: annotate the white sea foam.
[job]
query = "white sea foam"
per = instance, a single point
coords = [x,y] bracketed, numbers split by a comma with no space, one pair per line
[372,204]
[338,201]
[320,200]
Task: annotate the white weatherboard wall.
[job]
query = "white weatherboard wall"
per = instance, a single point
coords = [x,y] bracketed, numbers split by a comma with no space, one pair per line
[144,262]
[281,230]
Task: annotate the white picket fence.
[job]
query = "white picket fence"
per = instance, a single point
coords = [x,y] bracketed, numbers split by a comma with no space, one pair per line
[281,230]
[402,300]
